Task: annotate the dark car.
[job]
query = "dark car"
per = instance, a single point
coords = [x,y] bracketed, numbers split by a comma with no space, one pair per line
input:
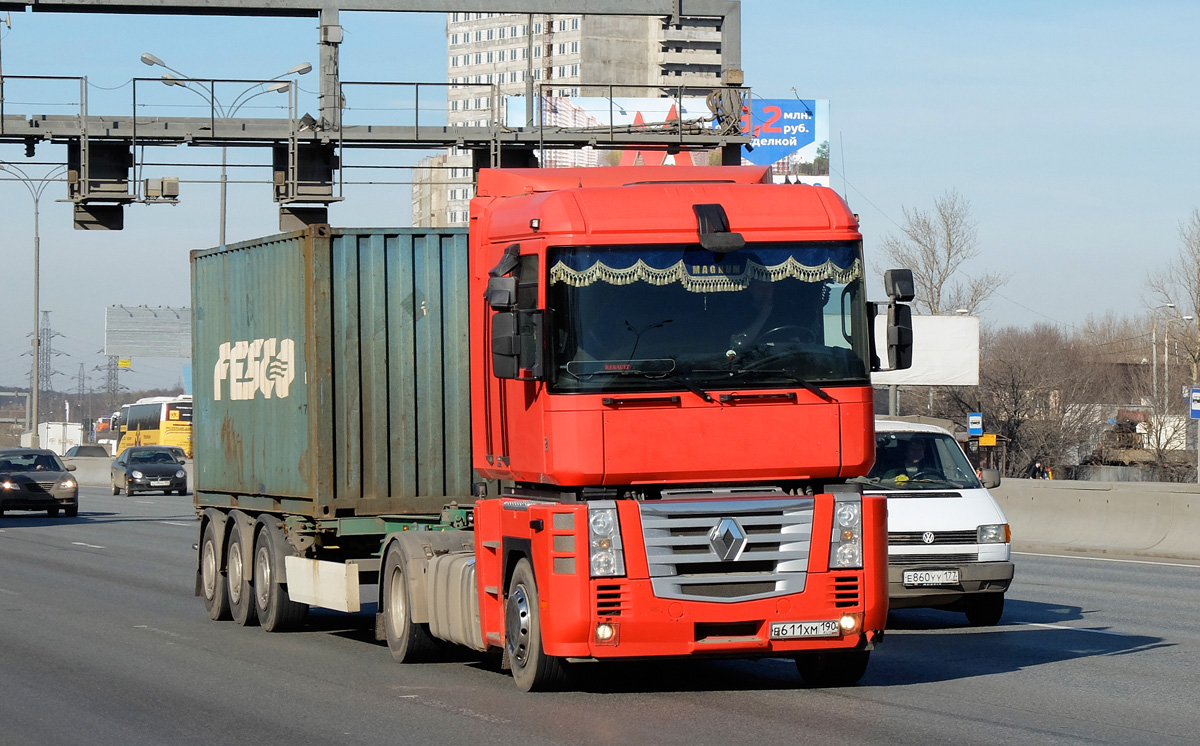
[87,452]
[145,468]
[35,479]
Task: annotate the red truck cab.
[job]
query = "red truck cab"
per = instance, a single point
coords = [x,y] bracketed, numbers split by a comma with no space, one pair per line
[672,370]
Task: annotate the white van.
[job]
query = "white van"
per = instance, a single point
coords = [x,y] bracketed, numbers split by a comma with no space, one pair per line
[948,540]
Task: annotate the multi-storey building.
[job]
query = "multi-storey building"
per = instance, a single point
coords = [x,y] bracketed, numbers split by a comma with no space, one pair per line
[492,56]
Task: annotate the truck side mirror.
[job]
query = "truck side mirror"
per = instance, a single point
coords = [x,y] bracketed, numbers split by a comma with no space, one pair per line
[501,293]
[898,284]
[899,336]
[517,345]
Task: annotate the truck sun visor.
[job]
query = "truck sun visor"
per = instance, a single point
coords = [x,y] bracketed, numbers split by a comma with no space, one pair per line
[714,229]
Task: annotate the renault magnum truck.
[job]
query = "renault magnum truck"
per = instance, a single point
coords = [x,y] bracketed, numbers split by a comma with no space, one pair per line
[616,419]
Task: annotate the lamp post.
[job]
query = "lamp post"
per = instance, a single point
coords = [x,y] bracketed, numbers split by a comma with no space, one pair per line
[226,112]
[36,186]
[1154,348]
[1167,352]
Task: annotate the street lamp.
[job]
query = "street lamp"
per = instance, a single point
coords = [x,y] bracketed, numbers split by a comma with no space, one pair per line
[1154,348]
[36,186]
[181,79]
[1167,352]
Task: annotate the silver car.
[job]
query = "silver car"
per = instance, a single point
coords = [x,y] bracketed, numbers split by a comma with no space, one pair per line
[35,479]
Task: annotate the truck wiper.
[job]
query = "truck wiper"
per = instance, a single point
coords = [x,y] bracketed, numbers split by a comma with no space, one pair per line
[649,369]
[789,375]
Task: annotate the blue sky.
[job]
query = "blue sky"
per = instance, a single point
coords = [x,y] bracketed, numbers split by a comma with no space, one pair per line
[1070,127]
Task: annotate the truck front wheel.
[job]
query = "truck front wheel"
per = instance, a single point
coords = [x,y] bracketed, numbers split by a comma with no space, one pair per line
[409,641]
[835,668]
[532,668]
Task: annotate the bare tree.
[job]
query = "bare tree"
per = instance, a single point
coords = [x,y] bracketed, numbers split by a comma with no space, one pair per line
[1179,283]
[1038,389]
[935,246]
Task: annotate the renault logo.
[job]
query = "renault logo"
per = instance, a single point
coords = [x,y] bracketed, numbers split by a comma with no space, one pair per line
[927,537]
[727,539]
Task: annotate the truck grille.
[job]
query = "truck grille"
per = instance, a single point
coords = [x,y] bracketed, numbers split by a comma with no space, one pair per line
[917,538]
[932,559]
[727,550]
[845,592]
[611,599]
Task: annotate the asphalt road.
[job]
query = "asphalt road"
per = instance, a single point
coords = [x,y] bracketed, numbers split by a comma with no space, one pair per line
[102,642]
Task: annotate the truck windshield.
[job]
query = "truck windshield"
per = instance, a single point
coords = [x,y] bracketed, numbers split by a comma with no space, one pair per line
[919,461]
[666,318]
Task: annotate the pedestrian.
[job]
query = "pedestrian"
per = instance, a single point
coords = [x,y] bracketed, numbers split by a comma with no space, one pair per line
[1036,471]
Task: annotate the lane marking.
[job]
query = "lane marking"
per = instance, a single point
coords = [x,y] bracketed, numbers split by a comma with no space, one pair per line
[1109,559]
[11,593]
[1076,629]
[89,546]
[175,523]
[144,502]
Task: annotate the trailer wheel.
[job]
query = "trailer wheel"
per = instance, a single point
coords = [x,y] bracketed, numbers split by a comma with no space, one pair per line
[409,641]
[276,610]
[832,669]
[212,585]
[985,609]
[241,593]
[532,668]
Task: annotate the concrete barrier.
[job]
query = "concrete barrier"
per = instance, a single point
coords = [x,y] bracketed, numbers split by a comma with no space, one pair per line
[1131,518]
[93,471]
[1151,519]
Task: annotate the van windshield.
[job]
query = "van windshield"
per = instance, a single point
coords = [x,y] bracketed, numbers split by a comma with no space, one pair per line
[919,461]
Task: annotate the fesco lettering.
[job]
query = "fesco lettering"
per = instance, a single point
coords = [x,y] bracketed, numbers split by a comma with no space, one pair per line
[250,367]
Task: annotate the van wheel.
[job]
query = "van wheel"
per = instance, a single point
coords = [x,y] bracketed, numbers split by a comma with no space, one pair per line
[985,609]
[532,668]
[409,641]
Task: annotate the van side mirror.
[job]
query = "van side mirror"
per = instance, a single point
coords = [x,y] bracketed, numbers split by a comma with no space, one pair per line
[990,478]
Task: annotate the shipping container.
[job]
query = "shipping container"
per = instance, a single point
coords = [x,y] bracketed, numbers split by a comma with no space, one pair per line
[331,372]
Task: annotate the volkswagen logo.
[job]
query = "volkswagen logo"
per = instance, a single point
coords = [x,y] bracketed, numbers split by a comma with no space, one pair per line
[727,539]
[927,537]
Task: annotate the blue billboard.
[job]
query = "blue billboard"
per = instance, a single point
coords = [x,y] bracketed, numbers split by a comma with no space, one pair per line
[781,127]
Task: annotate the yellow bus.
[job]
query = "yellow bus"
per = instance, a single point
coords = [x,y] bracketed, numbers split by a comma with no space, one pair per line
[156,421]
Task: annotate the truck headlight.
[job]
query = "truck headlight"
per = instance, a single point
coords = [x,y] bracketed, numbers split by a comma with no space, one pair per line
[606,558]
[845,545]
[993,533]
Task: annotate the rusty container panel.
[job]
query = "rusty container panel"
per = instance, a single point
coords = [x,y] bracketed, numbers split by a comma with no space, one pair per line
[367,330]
